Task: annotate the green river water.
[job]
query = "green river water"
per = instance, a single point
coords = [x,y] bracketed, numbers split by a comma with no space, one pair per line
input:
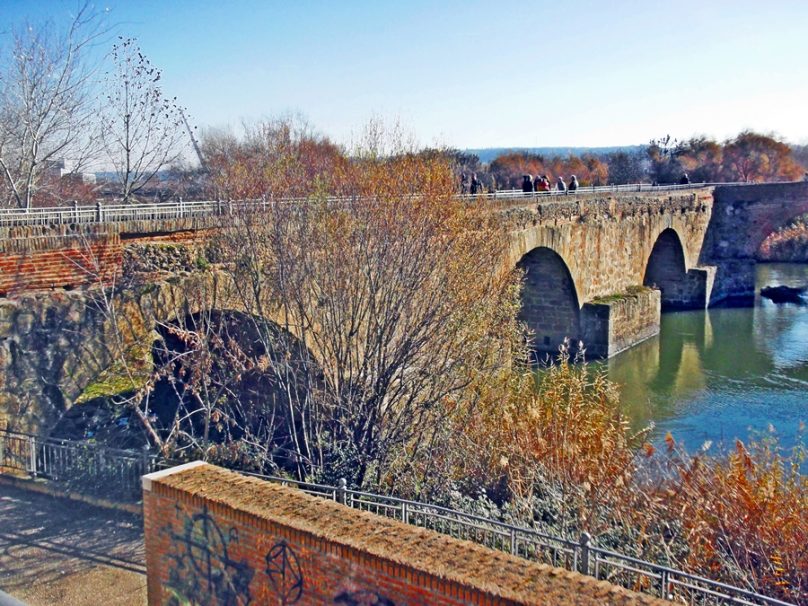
[722,374]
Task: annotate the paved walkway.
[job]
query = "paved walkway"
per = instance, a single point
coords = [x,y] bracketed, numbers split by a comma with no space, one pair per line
[56,551]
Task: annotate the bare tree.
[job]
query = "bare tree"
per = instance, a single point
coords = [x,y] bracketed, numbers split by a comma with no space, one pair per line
[45,111]
[398,297]
[142,130]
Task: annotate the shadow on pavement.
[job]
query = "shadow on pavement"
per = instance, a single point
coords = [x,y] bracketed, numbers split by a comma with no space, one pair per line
[57,548]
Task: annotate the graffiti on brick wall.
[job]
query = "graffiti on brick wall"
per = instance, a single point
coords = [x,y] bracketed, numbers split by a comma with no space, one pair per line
[202,570]
[363,598]
[284,572]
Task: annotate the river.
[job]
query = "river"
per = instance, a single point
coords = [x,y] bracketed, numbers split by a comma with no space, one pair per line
[724,373]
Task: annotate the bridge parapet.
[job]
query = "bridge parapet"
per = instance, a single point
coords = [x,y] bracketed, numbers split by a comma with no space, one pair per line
[179,210]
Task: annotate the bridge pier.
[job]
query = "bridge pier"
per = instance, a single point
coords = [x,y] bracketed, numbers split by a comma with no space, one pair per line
[693,291]
[734,282]
[613,324]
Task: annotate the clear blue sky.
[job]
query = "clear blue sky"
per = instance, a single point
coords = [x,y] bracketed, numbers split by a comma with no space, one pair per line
[479,74]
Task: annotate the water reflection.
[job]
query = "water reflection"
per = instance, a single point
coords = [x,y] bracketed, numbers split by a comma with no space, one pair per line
[713,375]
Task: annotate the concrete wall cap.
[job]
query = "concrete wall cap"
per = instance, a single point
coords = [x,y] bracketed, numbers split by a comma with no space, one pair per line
[157,475]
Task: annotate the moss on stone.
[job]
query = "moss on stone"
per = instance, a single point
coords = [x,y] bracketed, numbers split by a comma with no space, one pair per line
[114,380]
[630,292]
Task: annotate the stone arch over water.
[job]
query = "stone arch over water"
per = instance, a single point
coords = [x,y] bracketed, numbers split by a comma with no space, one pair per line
[550,305]
[666,270]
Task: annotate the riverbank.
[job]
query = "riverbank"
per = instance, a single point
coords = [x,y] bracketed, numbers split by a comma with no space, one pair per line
[787,245]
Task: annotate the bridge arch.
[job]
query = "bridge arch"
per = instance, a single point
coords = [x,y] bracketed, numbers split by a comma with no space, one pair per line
[550,304]
[256,375]
[666,270]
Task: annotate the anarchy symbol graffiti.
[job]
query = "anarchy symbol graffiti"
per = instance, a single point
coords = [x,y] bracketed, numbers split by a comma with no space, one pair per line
[206,548]
[203,570]
[284,572]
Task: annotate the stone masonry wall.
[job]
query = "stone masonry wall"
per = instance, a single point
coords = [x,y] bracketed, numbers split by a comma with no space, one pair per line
[613,325]
[54,344]
[606,241]
[216,537]
[549,305]
[743,217]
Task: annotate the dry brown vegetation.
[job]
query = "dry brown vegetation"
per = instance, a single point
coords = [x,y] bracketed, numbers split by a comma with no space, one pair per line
[745,518]
[788,244]
[396,294]
[562,452]
[377,340]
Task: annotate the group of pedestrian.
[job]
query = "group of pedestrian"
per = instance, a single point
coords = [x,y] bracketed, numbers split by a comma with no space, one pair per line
[542,183]
[473,186]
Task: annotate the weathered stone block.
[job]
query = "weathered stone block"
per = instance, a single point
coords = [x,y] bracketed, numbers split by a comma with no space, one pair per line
[613,324]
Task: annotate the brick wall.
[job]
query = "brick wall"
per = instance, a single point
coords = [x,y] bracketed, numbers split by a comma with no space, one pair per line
[61,261]
[216,537]
[64,256]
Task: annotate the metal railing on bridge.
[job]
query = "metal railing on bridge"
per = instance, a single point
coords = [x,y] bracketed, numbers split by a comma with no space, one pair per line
[101,213]
[115,473]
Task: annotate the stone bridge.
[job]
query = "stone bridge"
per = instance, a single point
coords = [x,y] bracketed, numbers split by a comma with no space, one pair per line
[599,268]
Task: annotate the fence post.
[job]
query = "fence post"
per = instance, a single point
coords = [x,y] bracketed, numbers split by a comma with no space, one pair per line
[32,446]
[584,542]
[663,585]
[75,211]
[145,460]
[404,511]
[341,490]
[181,208]
[98,213]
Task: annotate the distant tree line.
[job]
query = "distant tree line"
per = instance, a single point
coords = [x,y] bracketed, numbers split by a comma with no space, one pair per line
[748,157]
